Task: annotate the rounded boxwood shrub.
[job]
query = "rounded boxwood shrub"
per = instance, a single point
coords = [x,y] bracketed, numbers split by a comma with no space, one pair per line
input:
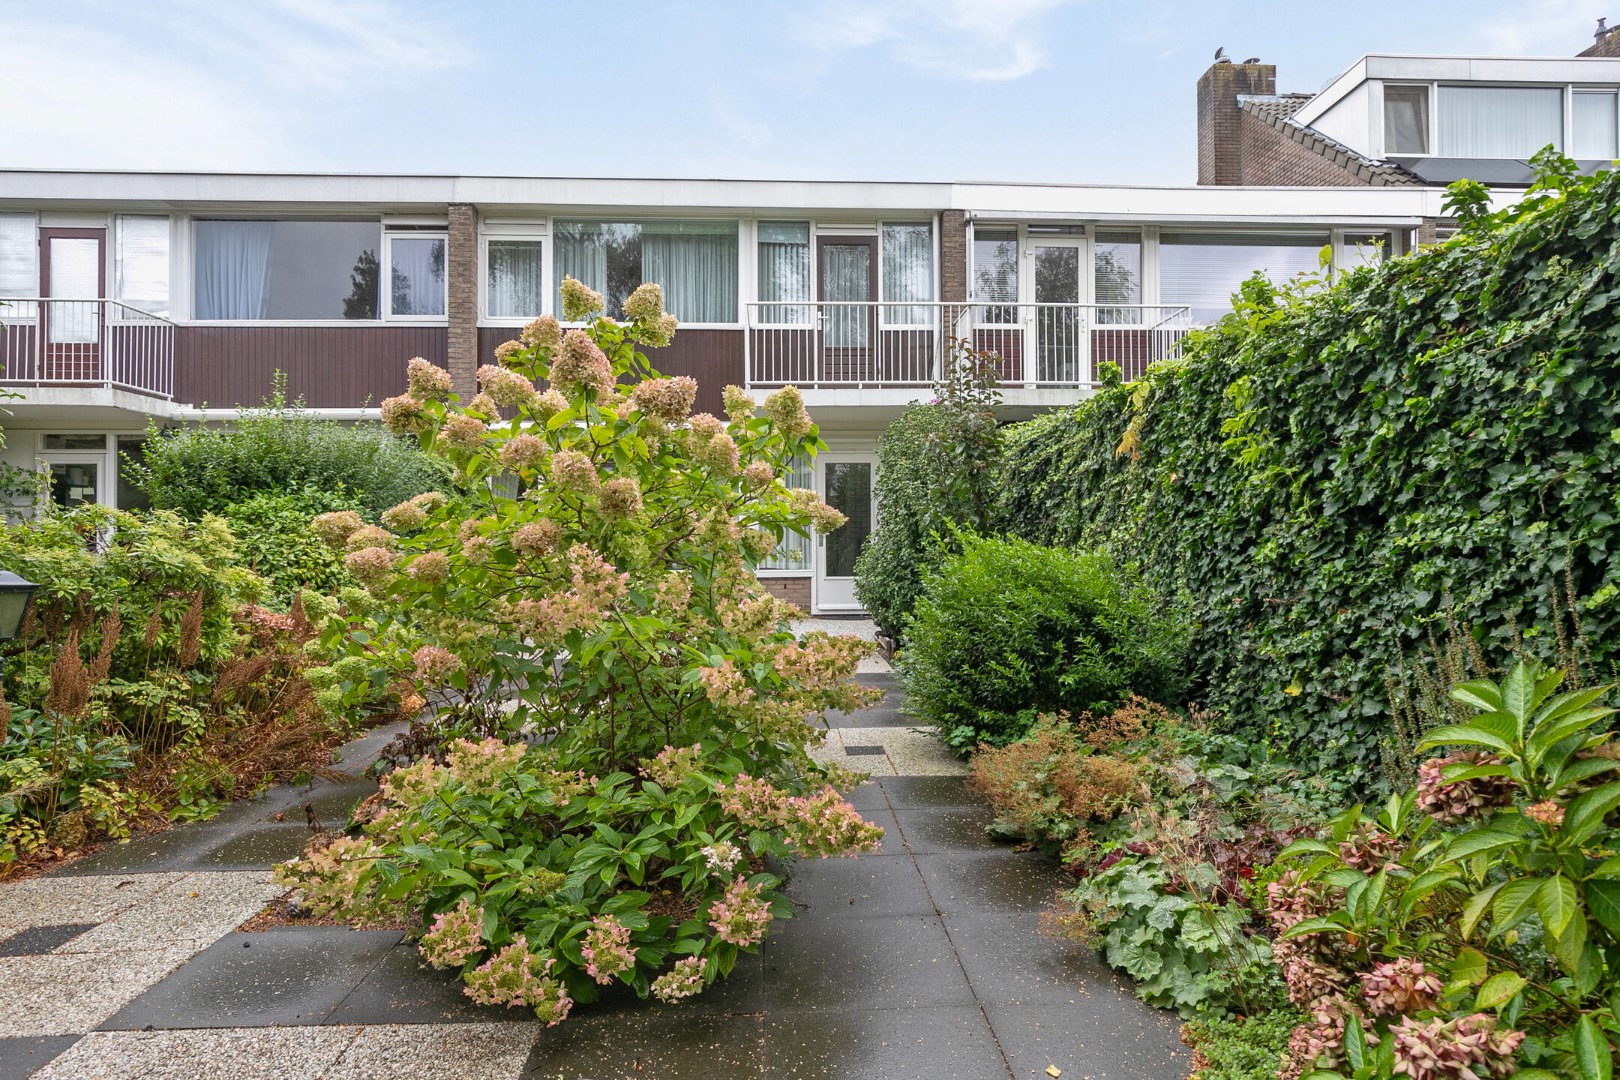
[1007,629]
[273,536]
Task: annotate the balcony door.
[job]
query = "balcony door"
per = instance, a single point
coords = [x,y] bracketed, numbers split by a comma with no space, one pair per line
[848,276]
[72,279]
[1059,323]
[847,482]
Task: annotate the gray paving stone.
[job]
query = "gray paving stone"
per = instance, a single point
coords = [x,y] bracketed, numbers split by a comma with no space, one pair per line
[488,1051]
[884,714]
[42,939]
[905,792]
[991,881]
[892,843]
[858,888]
[21,1057]
[401,990]
[174,850]
[1010,962]
[1107,1037]
[938,830]
[285,975]
[72,993]
[888,962]
[256,847]
[670,1043]
[224,1054]
[881,1044]
[869,796]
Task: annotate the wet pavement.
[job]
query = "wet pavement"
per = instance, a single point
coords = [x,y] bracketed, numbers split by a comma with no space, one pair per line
[924,960]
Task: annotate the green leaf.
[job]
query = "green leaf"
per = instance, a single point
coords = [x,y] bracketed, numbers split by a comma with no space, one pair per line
[1476,907]
[1482,694]
[1469,967]
[1558,904]
[1466,735]
[1514,903]
[1316,925]
[1498,990]
[1603,901]
[1570,946]
[1592,1055]
[1587,811]
[1503,832]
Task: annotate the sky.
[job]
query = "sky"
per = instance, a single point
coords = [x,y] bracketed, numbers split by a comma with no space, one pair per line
[1051,91]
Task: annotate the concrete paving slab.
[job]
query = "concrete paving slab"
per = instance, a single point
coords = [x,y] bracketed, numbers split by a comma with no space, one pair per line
[257,846]
[488,1051]
[1112,1037]
[885,962]
[45,900]
[21,1057]
[858,888]
[286,975]
[196,910]
[935,830]
[402,990]
[1010,962]
[69,994]
[904,792]
[42,939]
[219,1054]
[885,713]
[868,796]
[994,881]
[913,1044]
[673,1043]
[174,850]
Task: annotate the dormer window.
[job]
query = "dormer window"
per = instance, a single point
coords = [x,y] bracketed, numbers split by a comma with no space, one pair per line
[1595,125]
[1406,120]
[1500,121]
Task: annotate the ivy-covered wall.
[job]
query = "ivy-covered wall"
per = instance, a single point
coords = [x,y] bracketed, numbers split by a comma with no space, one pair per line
[1328,472]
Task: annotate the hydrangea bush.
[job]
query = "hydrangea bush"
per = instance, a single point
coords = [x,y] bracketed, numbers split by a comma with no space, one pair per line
[620,714]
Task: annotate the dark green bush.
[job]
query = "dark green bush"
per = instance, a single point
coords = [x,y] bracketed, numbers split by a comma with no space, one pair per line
[889,572]
[279,447]
[1330,476]
[1007,629]
[273,538]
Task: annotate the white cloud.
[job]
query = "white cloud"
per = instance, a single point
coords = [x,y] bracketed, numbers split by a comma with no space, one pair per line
[979,40]
[1539,28]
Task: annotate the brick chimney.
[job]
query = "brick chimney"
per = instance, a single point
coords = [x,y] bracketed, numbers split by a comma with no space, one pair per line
[1220,148]
[1605,43]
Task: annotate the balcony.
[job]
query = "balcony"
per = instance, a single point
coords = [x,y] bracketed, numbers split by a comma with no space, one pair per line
[888,346]
[77,345]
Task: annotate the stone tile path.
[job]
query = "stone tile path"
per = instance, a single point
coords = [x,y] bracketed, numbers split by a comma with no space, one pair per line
[923,960]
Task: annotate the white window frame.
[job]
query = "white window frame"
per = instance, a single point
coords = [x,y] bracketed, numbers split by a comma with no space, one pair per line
[1432,136]
[25,313]
[385,271]
[744,261]
[182,261]
[115,277]
[885,305]
[1567,136]
[1569,114]
[537,231]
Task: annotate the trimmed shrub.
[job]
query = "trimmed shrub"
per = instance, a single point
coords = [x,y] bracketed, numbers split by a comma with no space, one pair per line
[1007,629]
[278,448]
[889,572]
[274,538]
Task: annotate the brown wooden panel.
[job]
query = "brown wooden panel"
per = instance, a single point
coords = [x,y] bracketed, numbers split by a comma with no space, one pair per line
[713,357]
[330,367]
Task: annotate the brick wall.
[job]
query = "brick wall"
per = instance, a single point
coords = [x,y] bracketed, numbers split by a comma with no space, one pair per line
[462,261]
[1268,157]
[1220,157]
[953,255]
[795,590]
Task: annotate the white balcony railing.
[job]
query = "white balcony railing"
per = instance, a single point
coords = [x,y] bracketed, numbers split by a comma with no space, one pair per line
[876,344]
[88,343]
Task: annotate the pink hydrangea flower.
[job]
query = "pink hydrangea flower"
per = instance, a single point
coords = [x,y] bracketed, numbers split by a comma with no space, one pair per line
[455,937]
[426,381]
[740,916]
[607,949]
[666,400]
[682,981]
[517,976]
[482,765]
[435,664]
[523,452]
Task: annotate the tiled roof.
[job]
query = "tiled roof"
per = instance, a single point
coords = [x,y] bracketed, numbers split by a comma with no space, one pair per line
[1279,112]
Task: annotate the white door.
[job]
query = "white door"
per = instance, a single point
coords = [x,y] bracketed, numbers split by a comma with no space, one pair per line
[1059,323]
[847,483]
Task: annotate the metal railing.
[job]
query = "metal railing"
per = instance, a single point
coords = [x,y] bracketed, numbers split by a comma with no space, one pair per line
[50,342]
[880,344]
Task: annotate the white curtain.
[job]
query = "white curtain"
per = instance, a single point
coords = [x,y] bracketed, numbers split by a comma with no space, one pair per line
[908,272]
[1203,270]
[846,276]
[514,279]
[416,272]
[784,271]
[1406,119]
[697,267]
[582,255]
[1596,126]
[1500,121]
[793,552]
[142,260]
[232,264]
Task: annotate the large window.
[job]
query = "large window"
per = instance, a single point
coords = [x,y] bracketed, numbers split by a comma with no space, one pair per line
[1203,270]
[784,271]
[694,261]
[995,273]
[793,552]
[286,269]
[1406,120]
[19,256]
[908,272]
[1499,121]
[416,268]
[514,279]
[141,263]
[1117,275]
[1595,123]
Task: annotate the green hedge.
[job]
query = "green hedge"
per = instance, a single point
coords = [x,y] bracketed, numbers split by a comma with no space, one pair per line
[889,572]
[1328,475]
[274,538]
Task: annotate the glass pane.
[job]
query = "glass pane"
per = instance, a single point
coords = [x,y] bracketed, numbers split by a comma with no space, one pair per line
[1058,329]
[1406,119]
[694,261]
[1500,121]
[286,269]
[131,448]
[846,275]
[75,274]
[416,274]
[19,257]
[1203,270]
[512,285]
[784,271]
[908,272]
[1596,125]
[1118,270]
[142,263]
[849,490]
[793,550]
[73,483]
[995,273]
[75,442]
[1364,249]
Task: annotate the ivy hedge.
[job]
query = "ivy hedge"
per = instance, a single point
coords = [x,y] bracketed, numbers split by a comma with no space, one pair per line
[1330,472]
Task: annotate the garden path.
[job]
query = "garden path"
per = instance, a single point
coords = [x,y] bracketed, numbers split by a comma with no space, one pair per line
[923,960]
